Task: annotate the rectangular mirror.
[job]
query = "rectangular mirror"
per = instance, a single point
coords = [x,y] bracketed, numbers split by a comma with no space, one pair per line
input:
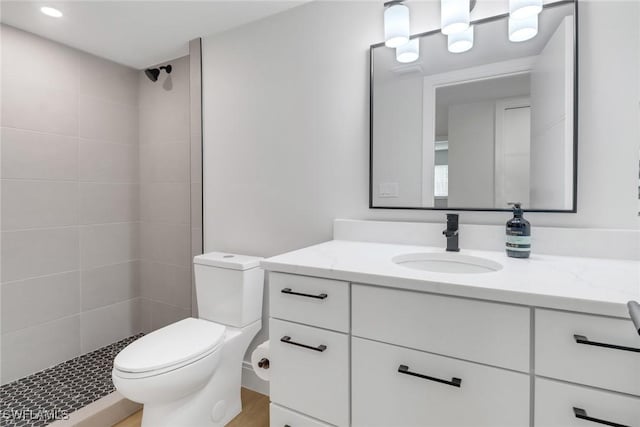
[478,129]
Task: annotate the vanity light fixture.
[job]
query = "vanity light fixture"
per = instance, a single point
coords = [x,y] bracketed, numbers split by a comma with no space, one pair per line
[408,52]
[521,30]
[396,23]
[454,16]
[520,9]
[460,42]
[50,11]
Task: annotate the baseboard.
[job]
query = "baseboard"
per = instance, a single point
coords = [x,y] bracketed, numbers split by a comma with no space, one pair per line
[251,381]
[103,412]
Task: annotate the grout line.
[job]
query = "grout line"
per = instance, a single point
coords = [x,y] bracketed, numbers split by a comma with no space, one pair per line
[74,181]
[100,224]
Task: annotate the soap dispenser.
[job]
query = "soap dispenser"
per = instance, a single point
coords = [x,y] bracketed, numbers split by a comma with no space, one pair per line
[518,242]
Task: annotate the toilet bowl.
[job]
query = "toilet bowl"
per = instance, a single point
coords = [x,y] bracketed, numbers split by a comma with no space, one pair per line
[189,373]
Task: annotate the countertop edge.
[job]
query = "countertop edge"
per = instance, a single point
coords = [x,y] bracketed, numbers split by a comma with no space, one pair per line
[554,302]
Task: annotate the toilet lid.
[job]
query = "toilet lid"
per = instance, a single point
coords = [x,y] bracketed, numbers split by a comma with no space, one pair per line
[172,345]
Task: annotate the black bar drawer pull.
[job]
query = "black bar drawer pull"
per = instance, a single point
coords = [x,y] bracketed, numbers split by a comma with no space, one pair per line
[581,339]
[290,292]
[455,382]
[582,414]
[287,340]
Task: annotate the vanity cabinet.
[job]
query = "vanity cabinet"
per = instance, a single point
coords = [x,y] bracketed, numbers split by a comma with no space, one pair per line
[559,404]
[484,332]
[309,346]
[396,386]
[591,350]
[351,354]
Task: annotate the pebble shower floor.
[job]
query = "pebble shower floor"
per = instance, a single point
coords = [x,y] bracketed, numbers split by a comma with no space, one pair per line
[47,396]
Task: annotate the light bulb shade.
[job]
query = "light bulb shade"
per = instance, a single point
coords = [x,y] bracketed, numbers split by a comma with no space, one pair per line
[50,11]
[460,42]
[396,25]
[520,9]
[521,30]
[408,52]
[454,16]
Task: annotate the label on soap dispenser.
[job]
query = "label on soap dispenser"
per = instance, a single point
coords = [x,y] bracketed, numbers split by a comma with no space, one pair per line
[519,243]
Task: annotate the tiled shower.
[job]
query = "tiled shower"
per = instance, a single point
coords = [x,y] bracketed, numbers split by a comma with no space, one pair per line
[101,202]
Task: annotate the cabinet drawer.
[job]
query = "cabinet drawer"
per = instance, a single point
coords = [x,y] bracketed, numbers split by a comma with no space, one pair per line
[560,355]
[382,396]
[282,417]
[555,403]
[323,303]
[491,333]
[314,379]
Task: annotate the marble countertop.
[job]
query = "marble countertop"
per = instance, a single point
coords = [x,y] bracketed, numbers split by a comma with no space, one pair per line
[589,285]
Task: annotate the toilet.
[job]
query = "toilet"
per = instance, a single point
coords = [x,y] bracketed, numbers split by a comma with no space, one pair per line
[189,372]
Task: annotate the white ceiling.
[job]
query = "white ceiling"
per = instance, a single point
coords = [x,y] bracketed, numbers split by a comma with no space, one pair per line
[136,33]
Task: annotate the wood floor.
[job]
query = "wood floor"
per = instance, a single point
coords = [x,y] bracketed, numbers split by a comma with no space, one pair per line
[255,412]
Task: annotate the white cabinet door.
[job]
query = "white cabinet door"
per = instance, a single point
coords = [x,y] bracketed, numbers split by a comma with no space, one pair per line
[486,332]
[566,405]
[425,393]
[310,300]
[569,346]
[310,371]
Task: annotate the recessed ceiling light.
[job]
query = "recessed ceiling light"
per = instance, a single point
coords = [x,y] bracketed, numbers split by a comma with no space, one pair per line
[49,11]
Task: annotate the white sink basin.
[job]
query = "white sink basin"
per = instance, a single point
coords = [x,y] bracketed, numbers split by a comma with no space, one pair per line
[448,262]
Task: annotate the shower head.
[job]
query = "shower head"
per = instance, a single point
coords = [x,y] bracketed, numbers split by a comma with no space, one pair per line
[153,73]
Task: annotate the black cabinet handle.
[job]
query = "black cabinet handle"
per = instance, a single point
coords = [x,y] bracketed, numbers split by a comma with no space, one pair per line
[582,414]
[290,292]
[287,340]
[404,369]
[581,339]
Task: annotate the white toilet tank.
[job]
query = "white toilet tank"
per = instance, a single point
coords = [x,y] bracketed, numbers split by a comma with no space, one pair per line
[229,288]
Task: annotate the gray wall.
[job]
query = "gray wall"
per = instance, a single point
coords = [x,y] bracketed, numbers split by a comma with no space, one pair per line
[286,126]
[69,203]
[165,193]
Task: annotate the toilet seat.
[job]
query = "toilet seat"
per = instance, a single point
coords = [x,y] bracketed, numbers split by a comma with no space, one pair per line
[169,348]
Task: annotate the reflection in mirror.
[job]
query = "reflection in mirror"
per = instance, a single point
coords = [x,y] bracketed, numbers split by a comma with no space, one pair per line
[479,129]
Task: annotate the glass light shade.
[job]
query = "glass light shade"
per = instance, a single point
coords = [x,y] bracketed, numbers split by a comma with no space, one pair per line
[49,11]
[460,42]
[454,16]
[520,9]
[396,25]
[521,30]
[408,52]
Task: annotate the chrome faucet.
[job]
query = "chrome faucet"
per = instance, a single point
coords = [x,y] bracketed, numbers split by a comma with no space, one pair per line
[451,233]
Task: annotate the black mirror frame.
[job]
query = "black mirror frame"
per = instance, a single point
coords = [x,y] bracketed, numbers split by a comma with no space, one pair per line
[574,208]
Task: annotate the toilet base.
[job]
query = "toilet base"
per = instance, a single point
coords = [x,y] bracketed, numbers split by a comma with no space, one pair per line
[218,402]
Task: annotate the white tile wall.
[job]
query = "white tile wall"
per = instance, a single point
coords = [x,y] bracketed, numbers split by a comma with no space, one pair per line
[33,204]
[107,244]
[32,349]
[31,302]
[70,206]
[96,216]
[165,197]
[38,252]
[122,318]
[110,284]
[108,162]
[108,202]
[36,155]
